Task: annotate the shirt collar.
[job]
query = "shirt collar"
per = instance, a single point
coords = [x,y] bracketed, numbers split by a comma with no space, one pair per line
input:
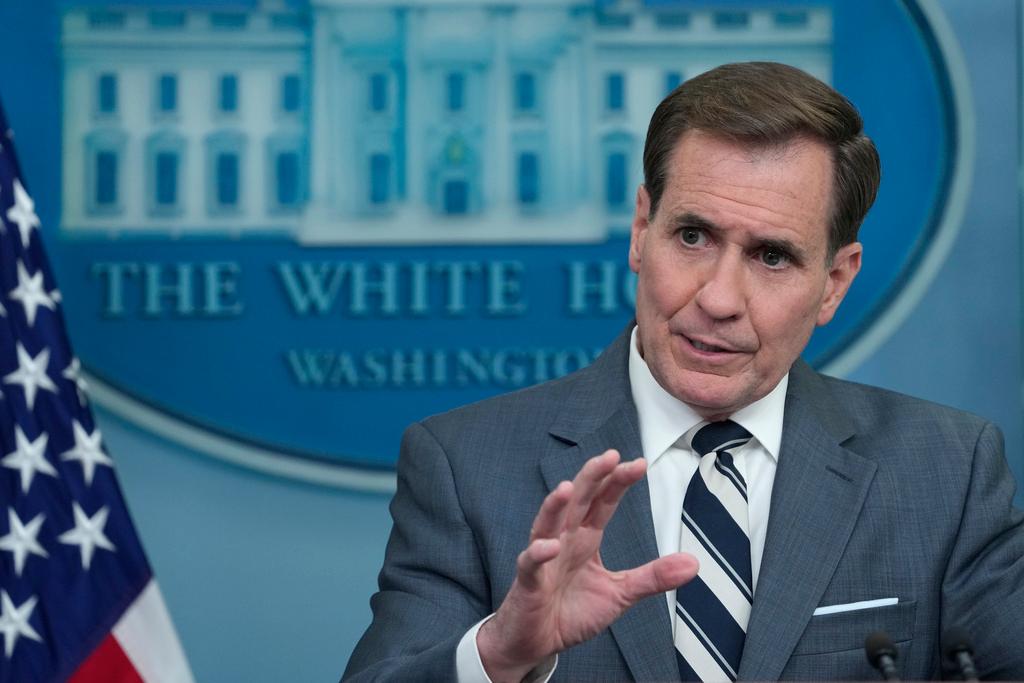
[664,418]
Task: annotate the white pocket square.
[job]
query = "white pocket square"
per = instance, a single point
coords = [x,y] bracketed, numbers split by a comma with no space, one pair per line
[852,606]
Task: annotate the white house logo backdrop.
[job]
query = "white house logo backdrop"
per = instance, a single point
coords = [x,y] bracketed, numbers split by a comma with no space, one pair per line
[286,230]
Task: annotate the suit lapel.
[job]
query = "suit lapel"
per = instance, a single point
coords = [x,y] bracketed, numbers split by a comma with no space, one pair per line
[817,496]
[643,633]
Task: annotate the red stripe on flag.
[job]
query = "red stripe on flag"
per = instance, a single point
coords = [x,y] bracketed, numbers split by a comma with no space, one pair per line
[107,664]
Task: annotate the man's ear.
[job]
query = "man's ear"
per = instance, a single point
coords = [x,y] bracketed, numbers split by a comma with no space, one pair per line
[845,266]
[639,228]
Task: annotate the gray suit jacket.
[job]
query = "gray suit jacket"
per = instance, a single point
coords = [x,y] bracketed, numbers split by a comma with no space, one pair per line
[876,495]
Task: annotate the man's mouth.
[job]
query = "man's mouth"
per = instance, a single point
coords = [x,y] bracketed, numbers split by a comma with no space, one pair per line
[708,348]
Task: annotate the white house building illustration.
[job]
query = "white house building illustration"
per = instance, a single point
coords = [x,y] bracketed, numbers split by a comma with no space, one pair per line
[386,122]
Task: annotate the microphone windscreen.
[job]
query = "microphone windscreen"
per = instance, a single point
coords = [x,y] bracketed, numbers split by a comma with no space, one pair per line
[954,640]
[878,644]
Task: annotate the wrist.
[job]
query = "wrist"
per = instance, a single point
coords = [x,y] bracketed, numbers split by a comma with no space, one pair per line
[498,665]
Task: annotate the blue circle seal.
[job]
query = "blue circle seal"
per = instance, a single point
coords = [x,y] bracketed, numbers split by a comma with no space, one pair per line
[282,248]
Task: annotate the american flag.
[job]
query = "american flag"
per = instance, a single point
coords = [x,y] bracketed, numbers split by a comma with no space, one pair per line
[78,600]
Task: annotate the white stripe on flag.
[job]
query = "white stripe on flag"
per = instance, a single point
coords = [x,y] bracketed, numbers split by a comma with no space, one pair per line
[147,637]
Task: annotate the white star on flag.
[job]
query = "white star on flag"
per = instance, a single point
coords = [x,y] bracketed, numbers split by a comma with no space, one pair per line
[14,622]
[98,626]
[73,372]
[31,374]
[23,213]
[87,451]
[21,539]
[87,533]
[28,457]
[31,293]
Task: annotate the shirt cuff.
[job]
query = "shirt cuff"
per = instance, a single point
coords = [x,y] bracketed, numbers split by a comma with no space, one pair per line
[469,668]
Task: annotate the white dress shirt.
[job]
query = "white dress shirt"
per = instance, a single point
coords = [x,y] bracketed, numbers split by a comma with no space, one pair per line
[671,463]
[664,420]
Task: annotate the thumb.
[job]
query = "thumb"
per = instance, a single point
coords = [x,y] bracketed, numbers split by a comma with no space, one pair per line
[660,575]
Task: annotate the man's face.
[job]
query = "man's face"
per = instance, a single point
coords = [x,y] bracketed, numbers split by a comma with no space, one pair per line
[733,271]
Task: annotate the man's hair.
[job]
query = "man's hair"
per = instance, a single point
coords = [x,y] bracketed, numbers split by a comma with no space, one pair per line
[765,104]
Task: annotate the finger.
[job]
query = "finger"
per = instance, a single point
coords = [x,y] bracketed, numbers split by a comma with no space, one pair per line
[588,483]
[531,560]
[550,518]
[615,486]
[660,575]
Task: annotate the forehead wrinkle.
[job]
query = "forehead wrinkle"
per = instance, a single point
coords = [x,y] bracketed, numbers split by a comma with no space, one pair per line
[753,190]
[767,217]
[726,181]
[769,163]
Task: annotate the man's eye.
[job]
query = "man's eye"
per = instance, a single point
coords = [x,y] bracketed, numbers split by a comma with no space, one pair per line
[692,236]
[774,258]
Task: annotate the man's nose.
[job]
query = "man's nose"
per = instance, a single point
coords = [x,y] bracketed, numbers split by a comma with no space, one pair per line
[723,294]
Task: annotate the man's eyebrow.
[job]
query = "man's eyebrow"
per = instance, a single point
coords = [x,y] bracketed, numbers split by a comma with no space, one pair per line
[693,220]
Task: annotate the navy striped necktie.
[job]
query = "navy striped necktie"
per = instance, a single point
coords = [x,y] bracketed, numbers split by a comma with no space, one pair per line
[713,609]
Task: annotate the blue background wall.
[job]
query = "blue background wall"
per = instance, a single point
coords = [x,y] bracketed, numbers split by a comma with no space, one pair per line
[268,580]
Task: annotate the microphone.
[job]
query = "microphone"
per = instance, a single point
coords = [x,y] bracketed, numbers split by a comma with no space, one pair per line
[957,653]
[882,654]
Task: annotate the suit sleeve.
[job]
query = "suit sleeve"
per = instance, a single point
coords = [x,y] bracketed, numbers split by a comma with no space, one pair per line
[433,586]
[983,588]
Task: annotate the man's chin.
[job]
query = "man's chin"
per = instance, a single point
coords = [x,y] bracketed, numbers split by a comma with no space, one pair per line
[711,397]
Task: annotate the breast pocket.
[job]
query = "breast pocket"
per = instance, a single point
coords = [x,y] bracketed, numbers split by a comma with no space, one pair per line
[847,630]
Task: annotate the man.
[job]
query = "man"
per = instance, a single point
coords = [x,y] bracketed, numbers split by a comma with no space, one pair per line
[818,511]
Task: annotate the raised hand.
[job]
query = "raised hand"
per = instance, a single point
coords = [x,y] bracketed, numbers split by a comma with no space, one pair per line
[562,594]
